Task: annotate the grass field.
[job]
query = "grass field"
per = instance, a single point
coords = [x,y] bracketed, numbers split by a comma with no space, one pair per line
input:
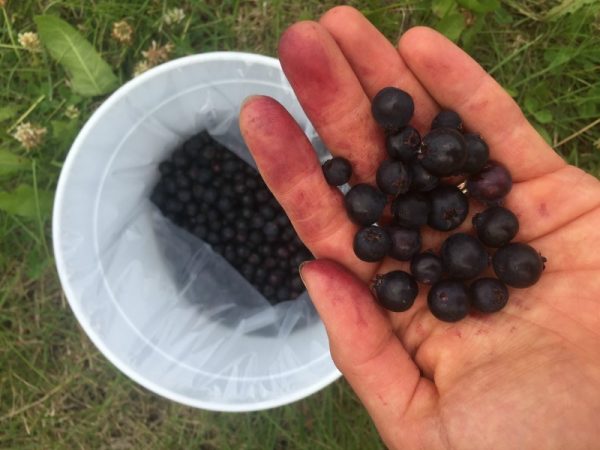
[56,389]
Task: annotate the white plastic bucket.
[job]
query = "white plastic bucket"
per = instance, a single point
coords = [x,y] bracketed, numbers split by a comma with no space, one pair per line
[129,275]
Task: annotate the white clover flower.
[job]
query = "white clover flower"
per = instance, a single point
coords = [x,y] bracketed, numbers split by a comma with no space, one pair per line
[30,136]
[173,16]
[122,32]
[158,54]
[30,41]
[141,67]
[72,112]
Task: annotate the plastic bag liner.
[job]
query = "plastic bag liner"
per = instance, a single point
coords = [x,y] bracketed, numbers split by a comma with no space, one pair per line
[157,301]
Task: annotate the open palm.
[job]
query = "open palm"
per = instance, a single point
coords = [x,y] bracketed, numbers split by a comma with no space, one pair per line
[527,377]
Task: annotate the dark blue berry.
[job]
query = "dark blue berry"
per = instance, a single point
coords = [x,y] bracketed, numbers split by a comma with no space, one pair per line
[392,108]
[372,243]
[393,177]
[449,208]
[496,226]
[421,179]
[337,171]
[411,210]
[364,204]
[443,151]
[518,265]
[406,242]
[463,256]
[404,145]
[478,153]
[395,291]
[488,295]
[447,119]
[426,268]
[448,300]
[491,184]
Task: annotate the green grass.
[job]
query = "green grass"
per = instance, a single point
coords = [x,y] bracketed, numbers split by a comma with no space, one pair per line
[56,390]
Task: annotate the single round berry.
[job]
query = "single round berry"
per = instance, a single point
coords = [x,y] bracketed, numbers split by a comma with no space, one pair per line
[447,119]
[478,153]
[449,208]
[463,256]
[496,226]
[337,171]
[392,108]
[372,243]
[395,291]
[271,231]
[406,242]
[488,295]
[364,204]
[421,179]
[448,300]
[404,145]
[426,267]
[443,151]
[491,184]
[518,265]
[393,177]
[410,210]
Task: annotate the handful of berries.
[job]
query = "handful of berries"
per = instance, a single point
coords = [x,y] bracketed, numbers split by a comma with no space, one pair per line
[411,182]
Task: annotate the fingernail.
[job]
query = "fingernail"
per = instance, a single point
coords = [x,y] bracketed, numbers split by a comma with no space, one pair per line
[300,267]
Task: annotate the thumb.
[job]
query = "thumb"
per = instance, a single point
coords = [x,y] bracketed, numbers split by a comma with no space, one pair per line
[363,344]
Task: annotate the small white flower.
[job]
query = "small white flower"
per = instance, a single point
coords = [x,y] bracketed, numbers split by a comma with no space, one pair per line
[122,32]
[30,136]
[72,112]
[30,41]
[173,16]
[157,54]
[141,67]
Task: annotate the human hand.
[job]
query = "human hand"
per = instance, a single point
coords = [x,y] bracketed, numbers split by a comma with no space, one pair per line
[526,377]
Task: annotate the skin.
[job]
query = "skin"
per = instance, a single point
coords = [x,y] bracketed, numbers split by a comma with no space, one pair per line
[527,377]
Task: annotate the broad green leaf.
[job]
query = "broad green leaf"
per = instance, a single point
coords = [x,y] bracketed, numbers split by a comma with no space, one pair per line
[22,202]
[531,104]
[11,163]
[441,8]
[90,74]
[480,6]
[452,25]
[543,116]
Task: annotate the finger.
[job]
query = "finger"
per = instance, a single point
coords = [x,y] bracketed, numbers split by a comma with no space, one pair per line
[332,96]
[573,246]
[547,203]
[289,166]
[457,82]
[375,61]
[364,346]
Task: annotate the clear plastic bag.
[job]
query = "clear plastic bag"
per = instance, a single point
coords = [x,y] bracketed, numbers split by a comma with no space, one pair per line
[157,301]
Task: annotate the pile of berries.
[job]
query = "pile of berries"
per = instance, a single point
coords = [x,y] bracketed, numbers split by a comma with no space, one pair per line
[411,181]
[207,190]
